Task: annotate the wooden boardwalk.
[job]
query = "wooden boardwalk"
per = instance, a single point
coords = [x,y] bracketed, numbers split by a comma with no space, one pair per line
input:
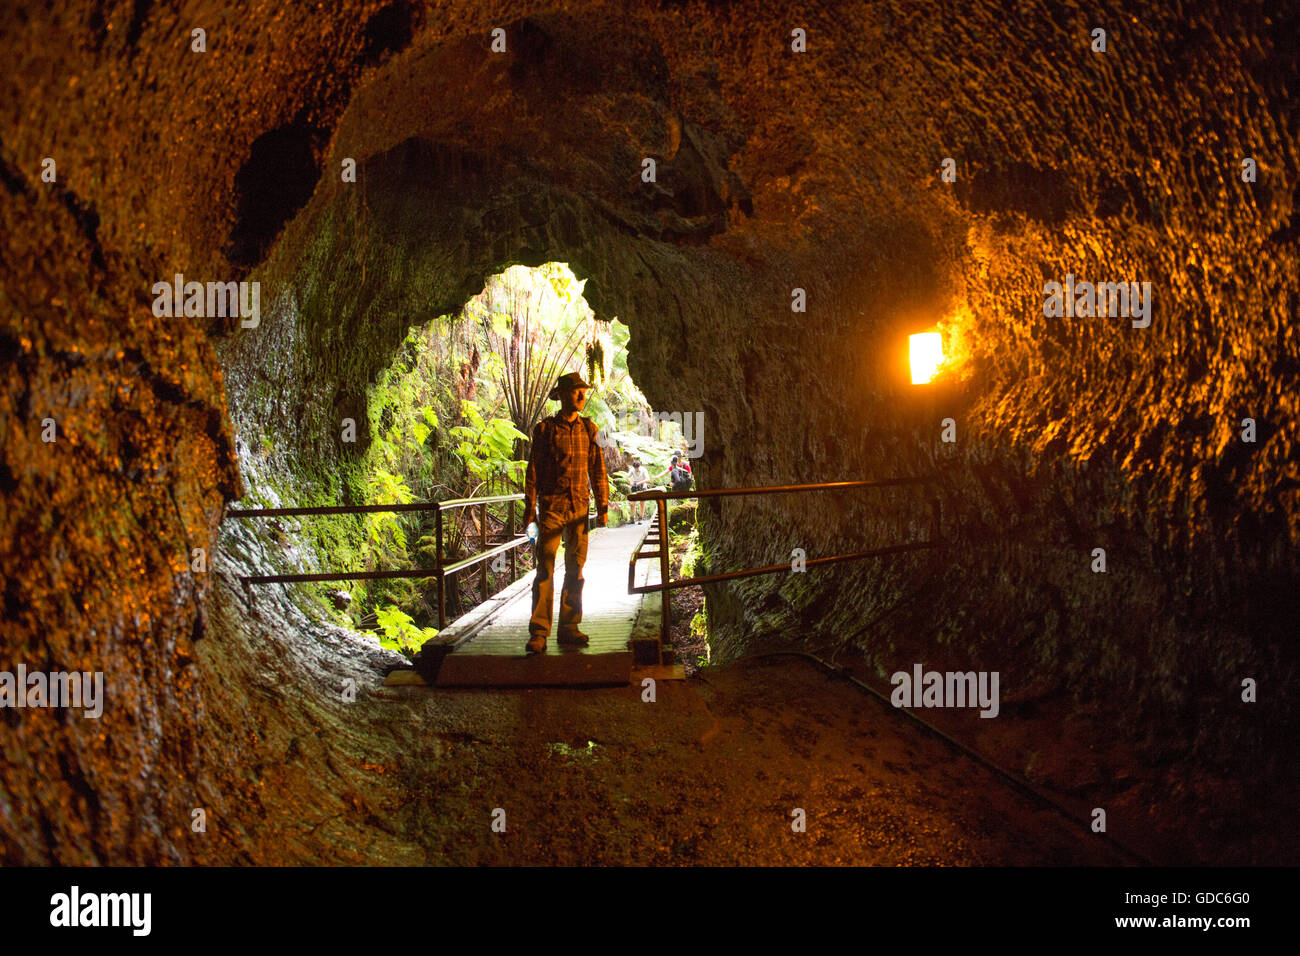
[489,641]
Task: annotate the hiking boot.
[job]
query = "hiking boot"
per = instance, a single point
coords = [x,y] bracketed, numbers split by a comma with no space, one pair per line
[536,644]
[573,636]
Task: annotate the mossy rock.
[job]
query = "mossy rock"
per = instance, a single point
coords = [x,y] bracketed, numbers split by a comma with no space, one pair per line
[682,517]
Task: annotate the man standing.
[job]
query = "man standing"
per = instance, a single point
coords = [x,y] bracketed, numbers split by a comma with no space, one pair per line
[563,458]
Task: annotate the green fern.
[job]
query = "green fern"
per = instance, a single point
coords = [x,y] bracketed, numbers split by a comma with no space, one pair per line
[400,630]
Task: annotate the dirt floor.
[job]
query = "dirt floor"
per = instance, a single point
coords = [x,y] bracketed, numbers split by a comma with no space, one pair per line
[713,771]
[718,769]
[1169,811]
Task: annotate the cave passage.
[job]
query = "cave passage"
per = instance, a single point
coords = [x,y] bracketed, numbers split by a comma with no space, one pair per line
[971,330]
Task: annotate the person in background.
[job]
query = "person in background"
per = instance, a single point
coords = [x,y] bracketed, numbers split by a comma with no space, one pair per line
[678,472]
[638,480]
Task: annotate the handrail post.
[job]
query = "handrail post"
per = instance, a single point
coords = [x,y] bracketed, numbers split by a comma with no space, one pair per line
[510,536]
[442,582]
[482,546]
[666,610]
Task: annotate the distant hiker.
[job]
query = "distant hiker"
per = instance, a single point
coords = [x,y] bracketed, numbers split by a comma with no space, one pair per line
[679,474]
[639,480]
[564,457]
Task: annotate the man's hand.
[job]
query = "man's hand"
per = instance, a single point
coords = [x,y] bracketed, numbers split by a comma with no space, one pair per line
[602,518]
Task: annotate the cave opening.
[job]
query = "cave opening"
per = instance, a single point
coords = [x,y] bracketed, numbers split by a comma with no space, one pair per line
[450,416]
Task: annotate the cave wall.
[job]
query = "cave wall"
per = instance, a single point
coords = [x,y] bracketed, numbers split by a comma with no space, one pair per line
[778,170]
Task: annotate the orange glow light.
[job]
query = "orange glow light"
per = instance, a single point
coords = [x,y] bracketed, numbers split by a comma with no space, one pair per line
[926,355]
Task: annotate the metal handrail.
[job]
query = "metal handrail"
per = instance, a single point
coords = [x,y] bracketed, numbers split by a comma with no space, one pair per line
[369,509]
[462,502]
[440,571]
[661,498]
[778,489]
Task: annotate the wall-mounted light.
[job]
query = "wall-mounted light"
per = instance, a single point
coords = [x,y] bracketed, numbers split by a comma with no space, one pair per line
[926,352]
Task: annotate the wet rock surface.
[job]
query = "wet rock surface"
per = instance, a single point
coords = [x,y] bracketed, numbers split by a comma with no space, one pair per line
[777,170]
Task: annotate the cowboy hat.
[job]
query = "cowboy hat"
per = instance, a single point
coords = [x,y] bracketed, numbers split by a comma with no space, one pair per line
[567,381]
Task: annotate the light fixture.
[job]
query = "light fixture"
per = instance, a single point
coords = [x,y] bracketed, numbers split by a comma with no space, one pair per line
[926,355]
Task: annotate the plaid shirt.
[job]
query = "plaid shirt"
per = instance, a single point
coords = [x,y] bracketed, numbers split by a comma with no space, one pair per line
[564,456]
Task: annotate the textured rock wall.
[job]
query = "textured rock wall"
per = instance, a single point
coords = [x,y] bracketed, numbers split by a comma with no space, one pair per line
[777,170]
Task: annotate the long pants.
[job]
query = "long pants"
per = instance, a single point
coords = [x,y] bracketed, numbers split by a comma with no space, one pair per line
[574,535]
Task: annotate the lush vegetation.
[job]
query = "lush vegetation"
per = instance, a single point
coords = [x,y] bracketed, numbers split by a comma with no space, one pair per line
[451,418]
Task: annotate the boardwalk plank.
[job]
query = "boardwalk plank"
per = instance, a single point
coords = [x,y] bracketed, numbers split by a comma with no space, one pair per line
[495,656]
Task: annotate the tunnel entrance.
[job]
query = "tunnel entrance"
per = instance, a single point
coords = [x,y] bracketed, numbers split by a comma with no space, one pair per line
[450,418]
